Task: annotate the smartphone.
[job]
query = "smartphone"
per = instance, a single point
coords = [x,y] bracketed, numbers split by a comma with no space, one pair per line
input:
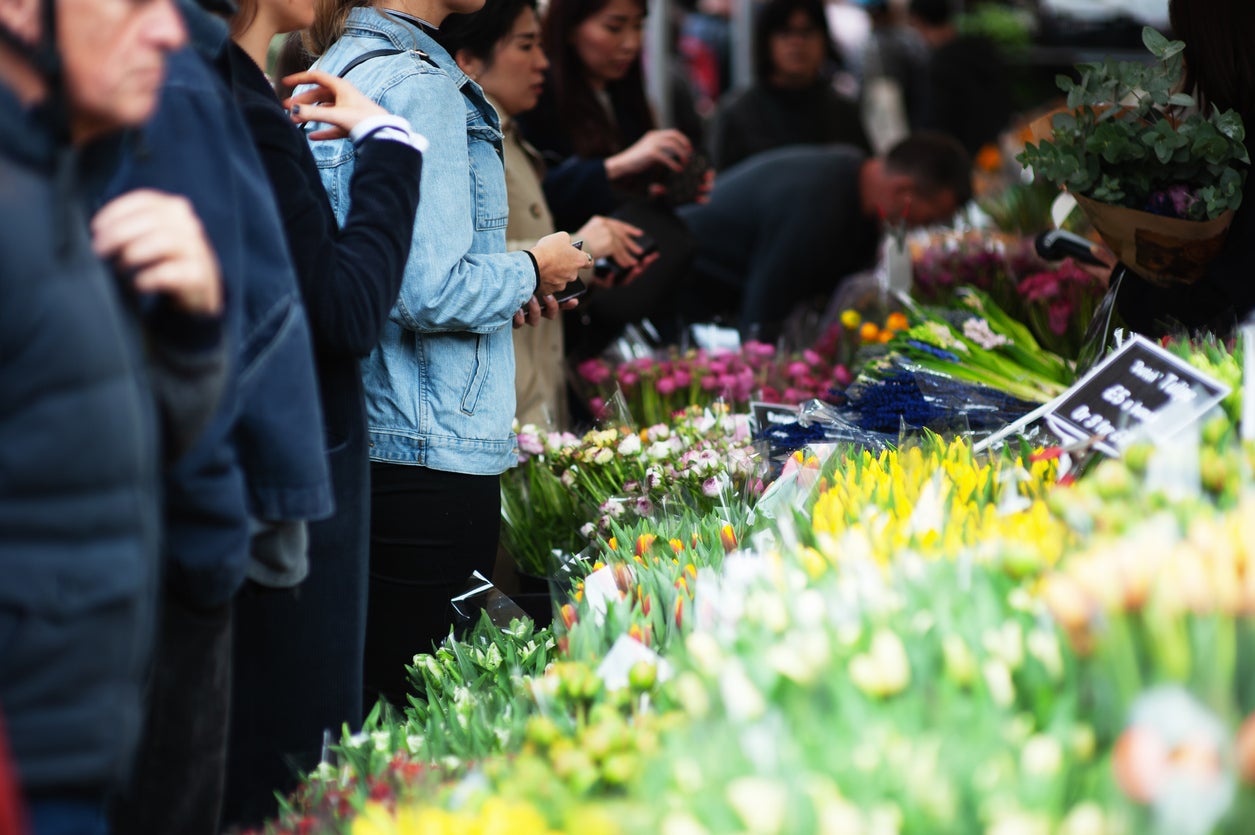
[573,290]
[608,268]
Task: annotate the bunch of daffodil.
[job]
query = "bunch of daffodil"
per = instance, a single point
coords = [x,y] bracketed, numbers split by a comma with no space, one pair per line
[937,500]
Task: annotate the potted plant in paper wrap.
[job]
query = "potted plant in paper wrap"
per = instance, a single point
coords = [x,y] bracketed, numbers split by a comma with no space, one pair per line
[1158,178]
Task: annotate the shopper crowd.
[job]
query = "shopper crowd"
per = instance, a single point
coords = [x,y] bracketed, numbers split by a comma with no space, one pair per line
[260,356]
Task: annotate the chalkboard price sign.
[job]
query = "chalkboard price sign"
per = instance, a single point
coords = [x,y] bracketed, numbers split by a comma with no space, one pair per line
[1139,386]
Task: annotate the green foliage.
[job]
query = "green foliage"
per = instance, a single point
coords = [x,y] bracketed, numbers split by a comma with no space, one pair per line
[1130,135]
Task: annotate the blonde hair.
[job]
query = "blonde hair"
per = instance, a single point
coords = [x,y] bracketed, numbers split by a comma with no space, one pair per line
[329,21]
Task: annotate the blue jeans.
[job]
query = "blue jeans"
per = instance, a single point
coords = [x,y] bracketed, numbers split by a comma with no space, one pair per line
[67,817]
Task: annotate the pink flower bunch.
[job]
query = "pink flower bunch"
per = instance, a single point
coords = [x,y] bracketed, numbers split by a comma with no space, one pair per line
[1060,302]
[656,388]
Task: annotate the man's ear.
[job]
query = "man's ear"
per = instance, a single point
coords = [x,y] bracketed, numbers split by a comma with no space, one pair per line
[470,64]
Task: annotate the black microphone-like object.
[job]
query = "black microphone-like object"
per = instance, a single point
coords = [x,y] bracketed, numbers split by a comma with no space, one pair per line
[1057,244]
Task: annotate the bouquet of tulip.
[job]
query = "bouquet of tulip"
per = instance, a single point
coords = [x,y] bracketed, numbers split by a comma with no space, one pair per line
[1163,618]
[848,701]
[992,262]
[937,500]
[1058,303]
[702,461]
[654,388]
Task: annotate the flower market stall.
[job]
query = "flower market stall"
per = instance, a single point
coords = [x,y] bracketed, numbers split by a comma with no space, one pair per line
[901,607]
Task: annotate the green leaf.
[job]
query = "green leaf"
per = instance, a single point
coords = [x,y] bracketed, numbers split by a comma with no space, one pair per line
[1155,41]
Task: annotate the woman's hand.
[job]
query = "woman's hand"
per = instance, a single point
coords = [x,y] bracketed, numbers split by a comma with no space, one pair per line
[333,101]
[558,262]
[668,148]
[158,239]
[541,308]
[1109,261]
[606,237]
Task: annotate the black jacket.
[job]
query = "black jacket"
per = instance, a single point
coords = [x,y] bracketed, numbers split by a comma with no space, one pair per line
[763,117]
[349,278]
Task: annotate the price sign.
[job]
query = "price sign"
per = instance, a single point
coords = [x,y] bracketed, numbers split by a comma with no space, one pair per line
[767,415]
[1138,387]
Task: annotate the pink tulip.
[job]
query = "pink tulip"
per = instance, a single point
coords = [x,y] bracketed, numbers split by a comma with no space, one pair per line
[594,371]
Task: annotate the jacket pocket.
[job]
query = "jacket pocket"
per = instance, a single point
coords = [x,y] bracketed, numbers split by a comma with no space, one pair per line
[479,374]
[487,178]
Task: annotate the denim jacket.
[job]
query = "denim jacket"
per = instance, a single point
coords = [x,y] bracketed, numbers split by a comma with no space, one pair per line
[440,384]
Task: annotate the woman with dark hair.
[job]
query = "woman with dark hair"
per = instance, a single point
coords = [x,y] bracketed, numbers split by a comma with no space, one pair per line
[1219,72]
[792,101]
[298,648]
[595,129]
[592,119]
[499,46]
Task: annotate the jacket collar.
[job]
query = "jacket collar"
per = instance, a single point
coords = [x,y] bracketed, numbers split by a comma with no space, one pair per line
[406,36]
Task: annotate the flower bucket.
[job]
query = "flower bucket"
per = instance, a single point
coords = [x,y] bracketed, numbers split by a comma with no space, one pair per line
[1162,250]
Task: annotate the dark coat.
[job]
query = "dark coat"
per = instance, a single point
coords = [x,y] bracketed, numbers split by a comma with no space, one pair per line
[262,455]
[764,117]
[79,470]
[305,647]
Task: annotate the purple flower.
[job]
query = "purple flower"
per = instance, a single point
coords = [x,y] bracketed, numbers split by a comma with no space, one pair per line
[710,382]
[666,386]
[683,378]
[811,357]
[628,378]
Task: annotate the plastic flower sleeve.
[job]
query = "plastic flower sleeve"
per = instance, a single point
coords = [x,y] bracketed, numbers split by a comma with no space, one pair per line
[481,596]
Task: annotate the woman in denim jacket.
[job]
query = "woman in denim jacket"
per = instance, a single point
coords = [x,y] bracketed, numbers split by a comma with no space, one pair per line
[440,385]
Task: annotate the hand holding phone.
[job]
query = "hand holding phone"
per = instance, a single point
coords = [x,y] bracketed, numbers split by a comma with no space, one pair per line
[576,287]
[612,271]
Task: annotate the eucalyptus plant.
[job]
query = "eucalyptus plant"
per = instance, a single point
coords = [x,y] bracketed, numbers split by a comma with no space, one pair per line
[1131,137]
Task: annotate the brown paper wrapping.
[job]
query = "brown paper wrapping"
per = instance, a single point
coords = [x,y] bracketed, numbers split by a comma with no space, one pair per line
[1042,127]
[1162,250]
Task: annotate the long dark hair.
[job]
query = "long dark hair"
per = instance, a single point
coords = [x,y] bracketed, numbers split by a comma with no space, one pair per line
[584,121]
[774,18]
[480,32]
[1219,60]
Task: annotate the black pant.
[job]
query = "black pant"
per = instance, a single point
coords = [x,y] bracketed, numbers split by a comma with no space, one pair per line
[182,757]
[429,530]
[298,654]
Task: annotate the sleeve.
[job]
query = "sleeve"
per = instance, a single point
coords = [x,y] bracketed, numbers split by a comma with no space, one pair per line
[188,367]
[447,287]
[576,189]
[350,277]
